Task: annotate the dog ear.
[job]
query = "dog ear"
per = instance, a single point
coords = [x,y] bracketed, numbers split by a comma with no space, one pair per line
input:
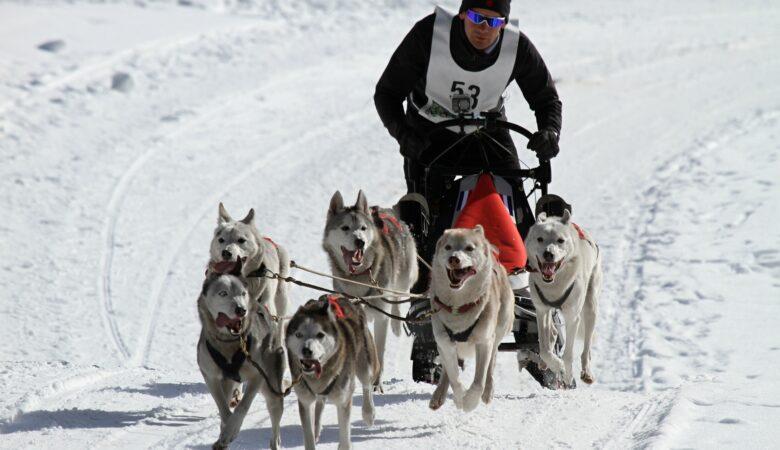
[250,216]
[336,204]
[361,204]
[541,217]
[223,217]
[478,228]
[566,217]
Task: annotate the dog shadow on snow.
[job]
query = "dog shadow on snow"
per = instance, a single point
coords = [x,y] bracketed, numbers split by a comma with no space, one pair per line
[166,390]
[292,435]
[76,418]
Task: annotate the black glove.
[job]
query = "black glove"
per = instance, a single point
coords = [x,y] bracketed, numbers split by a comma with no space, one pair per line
[412,143]
[545,143]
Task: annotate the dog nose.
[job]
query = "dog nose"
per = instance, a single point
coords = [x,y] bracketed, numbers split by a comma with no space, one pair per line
[306,352]
[226,255]
[454,261]
[240,312]
[360,243]
[549,257]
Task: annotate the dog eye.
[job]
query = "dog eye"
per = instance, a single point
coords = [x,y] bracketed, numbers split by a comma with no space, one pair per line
[320,335]
[345,228]
[540,240]
[223,293]
[299,335]
[561,240]
[241,240]
[363,228]
[469,248]
[448,247]
[221,240]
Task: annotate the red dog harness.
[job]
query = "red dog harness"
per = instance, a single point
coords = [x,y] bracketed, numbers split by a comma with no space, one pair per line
[457,309]
[386,218]
[333,302]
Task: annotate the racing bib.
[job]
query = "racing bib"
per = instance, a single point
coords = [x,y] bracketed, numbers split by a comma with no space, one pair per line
[475,92]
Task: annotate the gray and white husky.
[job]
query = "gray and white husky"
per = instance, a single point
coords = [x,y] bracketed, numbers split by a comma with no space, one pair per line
[240,239]
[370,246]
[471,291]
[328,346]
[228,314]
[565,274]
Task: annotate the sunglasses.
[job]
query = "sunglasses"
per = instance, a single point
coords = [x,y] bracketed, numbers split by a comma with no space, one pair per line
[477,18]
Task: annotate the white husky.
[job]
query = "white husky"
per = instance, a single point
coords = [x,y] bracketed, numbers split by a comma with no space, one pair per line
[241,239]
[565,274]
[475,304]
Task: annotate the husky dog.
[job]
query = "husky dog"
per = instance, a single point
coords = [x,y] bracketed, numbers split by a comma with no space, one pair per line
[234,240]
[228,315]
[565,266]
[328,345]
[475,308]
[370,246]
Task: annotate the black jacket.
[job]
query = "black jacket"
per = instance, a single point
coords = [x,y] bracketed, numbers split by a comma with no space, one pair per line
[406,71]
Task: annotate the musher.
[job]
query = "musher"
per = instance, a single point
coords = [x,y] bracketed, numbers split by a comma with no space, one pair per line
[461,64]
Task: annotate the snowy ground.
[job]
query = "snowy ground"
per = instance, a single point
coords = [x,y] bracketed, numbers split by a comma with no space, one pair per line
[670,156]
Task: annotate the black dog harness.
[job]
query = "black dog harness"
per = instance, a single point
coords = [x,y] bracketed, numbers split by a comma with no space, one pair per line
[327,388]
[230,369]
[463,336]
[558,303]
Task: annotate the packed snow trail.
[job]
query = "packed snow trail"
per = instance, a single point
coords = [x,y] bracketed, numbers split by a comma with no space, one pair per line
[669,156]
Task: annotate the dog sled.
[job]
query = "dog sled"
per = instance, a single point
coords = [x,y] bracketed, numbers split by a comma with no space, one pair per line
[429,212]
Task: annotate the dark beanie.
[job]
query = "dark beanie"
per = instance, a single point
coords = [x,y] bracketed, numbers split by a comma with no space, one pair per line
[499,6]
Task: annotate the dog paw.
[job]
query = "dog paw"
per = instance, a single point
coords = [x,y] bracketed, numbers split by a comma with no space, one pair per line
[458,400]
[587,377]
[471,399]
[487,394]
[555,364]
[275,443]
[437,400]
[368,415]
[219,445]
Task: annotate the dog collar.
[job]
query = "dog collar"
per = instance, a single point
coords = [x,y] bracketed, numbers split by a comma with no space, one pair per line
[259,273]
[558,303]
[457,309]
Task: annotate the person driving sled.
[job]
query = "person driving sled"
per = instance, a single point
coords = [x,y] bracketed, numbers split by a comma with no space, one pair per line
[474,54]
[451,64]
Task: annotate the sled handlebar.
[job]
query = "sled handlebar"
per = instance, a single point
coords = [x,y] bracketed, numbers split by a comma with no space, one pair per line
[488,121]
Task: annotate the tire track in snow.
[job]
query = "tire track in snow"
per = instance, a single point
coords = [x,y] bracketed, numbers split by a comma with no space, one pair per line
[60,388]
[650,200]
[113,211]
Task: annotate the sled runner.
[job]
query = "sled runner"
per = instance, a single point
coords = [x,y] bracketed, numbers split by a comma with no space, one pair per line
[495,198]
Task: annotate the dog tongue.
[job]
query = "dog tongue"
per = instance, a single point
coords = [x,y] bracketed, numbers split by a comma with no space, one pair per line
[223,320]
[223,266]
[548,269]
[317,369]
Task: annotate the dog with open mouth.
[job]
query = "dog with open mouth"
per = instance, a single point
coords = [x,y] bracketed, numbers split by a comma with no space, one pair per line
[372,246]
[474,305]
[228,315]
[240,239]
[328,346]
[565,274]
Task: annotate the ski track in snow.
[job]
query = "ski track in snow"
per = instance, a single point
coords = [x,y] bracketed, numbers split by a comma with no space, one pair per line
[651,349]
